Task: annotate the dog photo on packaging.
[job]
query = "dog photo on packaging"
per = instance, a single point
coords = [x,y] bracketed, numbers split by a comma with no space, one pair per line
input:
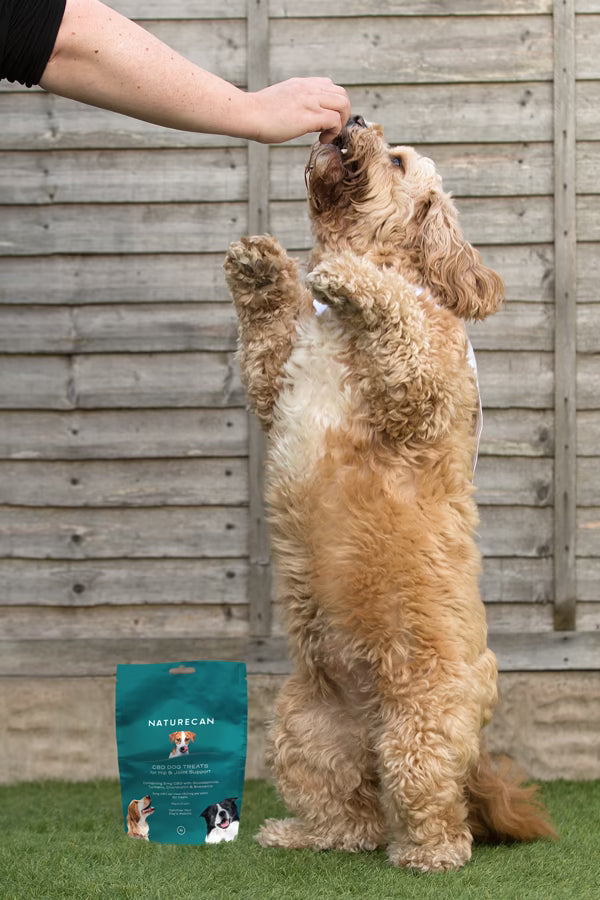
[364,381]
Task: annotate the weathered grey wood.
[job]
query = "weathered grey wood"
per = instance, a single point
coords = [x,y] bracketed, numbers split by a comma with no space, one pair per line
[123,434]
[588,327]
[195,532]
[588,381]
[588,272]
[588,581]
[588,432]
[124,483]
[519,531]
[522,380]
[120,227]
[120,381]
[143,622]
[299,8]
[551,651]
[152,380]
[115,328]
[120,278]
[472,169]
[511,481]
[588,96]
[588,227]
[588,483]
[517,326]
[501,48]
[587,34]
[588,531]
[517,580]
[588,167]
[517,432]
[118,582]
[123,176]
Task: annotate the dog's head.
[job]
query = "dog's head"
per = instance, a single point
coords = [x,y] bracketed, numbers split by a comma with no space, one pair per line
[140,809]
[388,203]
[221,815]
[181,739]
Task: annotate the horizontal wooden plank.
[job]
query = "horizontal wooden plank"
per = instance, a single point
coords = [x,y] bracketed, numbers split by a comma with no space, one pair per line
[517,326]
[467,170]
[588,580]
[588,98]
[522,380]
[121,278]
[516,580]
[588,381]
[299,8]
[588,166]
[527,270]
[102,623]
[588,616]
[122,227]
[588,272]
[517,432]
[513,481]
[588,531]
[588,327]
[129,582]
[125,483]
[120,533]
[120,381]
[499,48]
[587,37]
[554,651]
[124,434]
[588,226]
[588,432]
[558,651]
[116,328]
[33,120]
[520,531]
[490,220]
[123,176]
[588,480]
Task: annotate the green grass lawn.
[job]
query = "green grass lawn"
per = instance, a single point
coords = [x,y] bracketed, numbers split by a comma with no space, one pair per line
[60,840]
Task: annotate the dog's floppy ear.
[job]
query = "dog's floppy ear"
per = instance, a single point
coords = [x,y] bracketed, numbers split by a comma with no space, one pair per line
[173,737]
[133,811]
[190,736]
[453,267]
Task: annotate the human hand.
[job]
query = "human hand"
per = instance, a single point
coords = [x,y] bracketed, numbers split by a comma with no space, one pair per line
[298,106]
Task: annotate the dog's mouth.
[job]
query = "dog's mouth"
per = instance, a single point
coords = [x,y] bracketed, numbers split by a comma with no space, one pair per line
[342,141]
[183,749]
[148,810]
[224,824]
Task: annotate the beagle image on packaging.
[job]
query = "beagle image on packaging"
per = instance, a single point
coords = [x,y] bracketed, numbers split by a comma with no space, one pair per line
[137,814]
[181,739]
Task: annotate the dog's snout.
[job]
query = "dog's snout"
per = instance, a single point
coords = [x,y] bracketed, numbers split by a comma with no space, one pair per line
[356,120]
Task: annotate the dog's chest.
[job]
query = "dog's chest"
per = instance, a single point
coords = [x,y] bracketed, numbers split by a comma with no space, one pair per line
[316,397]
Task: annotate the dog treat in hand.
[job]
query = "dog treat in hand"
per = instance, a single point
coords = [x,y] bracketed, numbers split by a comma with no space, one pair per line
[181,736]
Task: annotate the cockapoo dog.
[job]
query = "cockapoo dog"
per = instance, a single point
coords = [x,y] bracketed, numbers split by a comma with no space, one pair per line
[371,410]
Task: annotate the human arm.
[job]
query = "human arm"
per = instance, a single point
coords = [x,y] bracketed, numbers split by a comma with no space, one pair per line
[104,59]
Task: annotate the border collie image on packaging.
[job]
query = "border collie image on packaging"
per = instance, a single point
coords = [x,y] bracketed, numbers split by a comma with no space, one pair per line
[222,821]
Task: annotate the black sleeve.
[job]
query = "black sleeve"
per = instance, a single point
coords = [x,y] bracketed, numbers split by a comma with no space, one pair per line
[28,30]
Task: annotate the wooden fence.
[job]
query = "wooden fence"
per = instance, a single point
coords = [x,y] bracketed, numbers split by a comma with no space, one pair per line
[130,475]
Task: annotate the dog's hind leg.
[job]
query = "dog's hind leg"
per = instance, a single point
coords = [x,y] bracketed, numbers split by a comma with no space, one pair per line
[326,774]
[268,298]
[427,748]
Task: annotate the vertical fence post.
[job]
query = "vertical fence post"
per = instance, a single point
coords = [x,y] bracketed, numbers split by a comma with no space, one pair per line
[259,576]
[565,321]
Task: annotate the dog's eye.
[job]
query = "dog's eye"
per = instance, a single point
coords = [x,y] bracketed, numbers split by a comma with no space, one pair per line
[397,161]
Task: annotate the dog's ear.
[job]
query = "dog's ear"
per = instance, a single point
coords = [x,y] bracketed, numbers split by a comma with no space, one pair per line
[133,811]
[190,736]
[173,737]
[453,267]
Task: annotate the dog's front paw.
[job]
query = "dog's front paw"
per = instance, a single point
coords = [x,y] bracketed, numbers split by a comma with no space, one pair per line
[254,262]
[444,856]
[327,282]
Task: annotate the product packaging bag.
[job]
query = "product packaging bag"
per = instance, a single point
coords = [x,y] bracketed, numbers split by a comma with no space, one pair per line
[181,736]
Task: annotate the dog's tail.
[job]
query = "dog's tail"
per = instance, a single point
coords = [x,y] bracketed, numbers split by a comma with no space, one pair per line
[501,808]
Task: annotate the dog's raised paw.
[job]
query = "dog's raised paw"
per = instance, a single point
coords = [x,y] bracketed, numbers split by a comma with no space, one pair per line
[256,261]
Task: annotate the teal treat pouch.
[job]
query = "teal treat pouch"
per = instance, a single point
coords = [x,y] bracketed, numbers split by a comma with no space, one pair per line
[181,739]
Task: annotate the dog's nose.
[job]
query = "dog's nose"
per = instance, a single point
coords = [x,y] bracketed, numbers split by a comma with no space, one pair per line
[356,120]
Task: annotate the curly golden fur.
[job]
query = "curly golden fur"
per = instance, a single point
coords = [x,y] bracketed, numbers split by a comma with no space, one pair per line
[370,410]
